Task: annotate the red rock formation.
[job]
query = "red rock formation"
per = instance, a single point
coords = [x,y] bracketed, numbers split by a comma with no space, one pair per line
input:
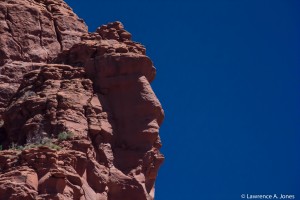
[33,31]
[80,105]
[37,30]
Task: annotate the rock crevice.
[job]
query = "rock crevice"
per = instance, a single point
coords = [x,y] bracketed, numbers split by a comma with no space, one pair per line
[56,28]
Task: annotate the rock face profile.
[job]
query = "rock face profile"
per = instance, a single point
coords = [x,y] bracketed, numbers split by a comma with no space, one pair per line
[78,117]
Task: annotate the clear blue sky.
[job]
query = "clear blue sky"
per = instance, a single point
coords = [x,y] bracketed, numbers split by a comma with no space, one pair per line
[228,79]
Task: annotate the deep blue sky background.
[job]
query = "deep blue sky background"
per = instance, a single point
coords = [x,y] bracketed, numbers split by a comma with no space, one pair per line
[228,79]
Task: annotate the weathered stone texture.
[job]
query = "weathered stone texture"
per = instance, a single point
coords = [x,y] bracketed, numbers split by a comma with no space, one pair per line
[56,78]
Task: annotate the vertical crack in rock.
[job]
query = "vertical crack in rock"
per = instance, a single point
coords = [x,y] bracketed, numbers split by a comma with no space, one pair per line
[58,34]
[56,27]
[41,34]
[41,30]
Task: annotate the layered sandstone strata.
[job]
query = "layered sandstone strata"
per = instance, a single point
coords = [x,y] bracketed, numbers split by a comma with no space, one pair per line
[80,120]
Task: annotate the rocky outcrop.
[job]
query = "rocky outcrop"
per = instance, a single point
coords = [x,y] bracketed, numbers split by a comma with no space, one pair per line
[33,31]
[80,120]
[37,30]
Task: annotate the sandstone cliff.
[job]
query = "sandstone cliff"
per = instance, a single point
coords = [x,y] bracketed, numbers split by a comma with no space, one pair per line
[79,119]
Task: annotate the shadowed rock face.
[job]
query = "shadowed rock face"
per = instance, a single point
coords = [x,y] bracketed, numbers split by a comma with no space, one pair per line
[80,103]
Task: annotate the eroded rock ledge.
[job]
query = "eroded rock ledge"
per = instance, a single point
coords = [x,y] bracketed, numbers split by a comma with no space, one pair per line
[56,78]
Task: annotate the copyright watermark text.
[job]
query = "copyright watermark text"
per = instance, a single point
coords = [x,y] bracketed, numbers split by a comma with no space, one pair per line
[268,196]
